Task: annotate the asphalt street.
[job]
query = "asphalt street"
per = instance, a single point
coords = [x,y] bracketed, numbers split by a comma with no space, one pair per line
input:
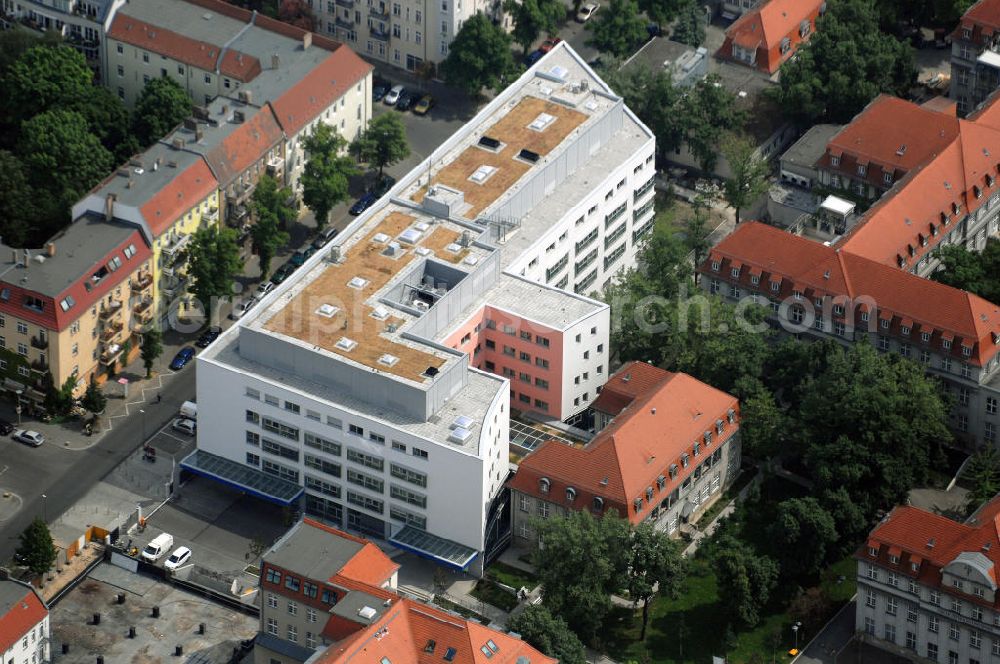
[64,476]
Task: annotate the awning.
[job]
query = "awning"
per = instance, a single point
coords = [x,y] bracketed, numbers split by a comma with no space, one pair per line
[240,476]
[436,548]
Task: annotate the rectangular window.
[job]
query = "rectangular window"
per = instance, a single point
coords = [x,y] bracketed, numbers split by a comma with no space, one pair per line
[280,428]
[321,444]
[372,504]
[399,493]
[407,475]
[366,481]
[366,460]
[322,465]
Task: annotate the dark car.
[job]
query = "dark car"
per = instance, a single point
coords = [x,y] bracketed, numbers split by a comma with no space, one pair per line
[406,101]
[533,57]
[182,357]
[210,335]
[363,203]
[383,185]
[5,428]
[300,256]
[282,273]
[549,44]
[379,89]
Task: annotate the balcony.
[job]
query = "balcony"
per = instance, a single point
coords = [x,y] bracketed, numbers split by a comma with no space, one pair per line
[379,35]
[275,167]
[175,289]
[111,331]
[176,245]
[379,13]
[345,23]
[41,342]
[212,215]
[41,366]
[110,310]
[346,4]
[111,354]
[142,282]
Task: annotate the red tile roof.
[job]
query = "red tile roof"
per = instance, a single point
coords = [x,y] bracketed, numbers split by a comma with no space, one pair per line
[20,618]
[323,85]
[245,145]
[631,381]
[765,26]
[183,192]
[815,269]
[368,566]
[983,18]
[175,46]
[404,635]
[639,447]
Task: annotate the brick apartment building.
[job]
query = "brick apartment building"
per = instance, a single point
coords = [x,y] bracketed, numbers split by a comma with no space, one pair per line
[927,586]
[669,448]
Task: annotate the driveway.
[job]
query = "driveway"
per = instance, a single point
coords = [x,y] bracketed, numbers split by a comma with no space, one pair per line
[832,639]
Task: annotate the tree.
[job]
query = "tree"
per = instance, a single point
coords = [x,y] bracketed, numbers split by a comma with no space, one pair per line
[59,400]
[653,564]
[973,271]
[690,26]
[213,261]
[151,349]
[579,566]
[661,12]
[746,579]
[162,105]
[696,232]
[872,424]
[14,43]
[762,422]
[844,65]
[479,57]
[94,399]
[710,112]
[383,143]
[62,155]
[618,29]
[297,13]
[109,121]
[803,535]
[548,633]
[18,212]
[46,78]
[749,179]
[37,551]
[273,213]
[983,472]
[654,98]
[532,18]
[325,178]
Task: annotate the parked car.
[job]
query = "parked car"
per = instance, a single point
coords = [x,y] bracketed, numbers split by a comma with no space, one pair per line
[323,238]
[363,203]
[380,88]
[28,437]
[182,357]
[159,546]
[405,101]
[587,10]
[240,308]
[392,96]
[281,273]
[299,258]
[425,104]
[210,335]
[534,57]
[6,428]
[383,186]
[549,44]
[180,556]
[263,289]
[185,426]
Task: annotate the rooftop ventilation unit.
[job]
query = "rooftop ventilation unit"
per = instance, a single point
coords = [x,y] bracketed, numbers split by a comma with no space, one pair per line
[381,238]
[422,251]
[489,142]
[346,344]
[471,260]
[410,236]
[459,435]
[357,282]
[366,612]
[388,360]
[327,310]
[380,313]
[454,247]
[422,226]
[482,174]
[420,305]
[528,155]
[559,72]
[392,249]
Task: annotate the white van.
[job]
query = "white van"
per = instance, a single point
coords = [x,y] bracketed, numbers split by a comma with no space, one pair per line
[189,410]
[159,546]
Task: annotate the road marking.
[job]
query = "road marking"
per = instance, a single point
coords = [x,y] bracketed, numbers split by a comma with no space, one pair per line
[5,469]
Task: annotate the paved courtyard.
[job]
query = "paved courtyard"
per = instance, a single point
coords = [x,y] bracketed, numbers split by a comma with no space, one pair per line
[181,613]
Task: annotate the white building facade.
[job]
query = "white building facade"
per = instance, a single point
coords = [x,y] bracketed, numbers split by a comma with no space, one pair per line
[24,624]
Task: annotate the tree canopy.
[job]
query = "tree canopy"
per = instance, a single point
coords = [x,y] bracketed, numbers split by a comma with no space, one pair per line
[804,534]
[746,579]
[213,261]
[272,213]
[844,65]
[532,18]
[976,272]
[383,143]
[749,173]
[479,57]
[37,551]
[618,28]
[46,78]
[162,105]
[548,633]
[152,348]
[690,26]
[326,176]
[653,564]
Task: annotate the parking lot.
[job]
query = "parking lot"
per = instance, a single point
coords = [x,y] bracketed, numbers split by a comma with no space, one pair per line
[180,616]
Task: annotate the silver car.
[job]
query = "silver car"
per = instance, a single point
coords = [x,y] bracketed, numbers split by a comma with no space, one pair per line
[28,437]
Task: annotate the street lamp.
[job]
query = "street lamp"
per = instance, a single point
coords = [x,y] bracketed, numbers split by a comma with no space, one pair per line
[44,517]
[795,630]
[18,409]
[143,425]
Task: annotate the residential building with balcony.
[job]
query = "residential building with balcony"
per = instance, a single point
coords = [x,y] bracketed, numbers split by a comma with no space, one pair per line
[767,35]
[975,56]
[927,586]
[669,449]
[818,291]
[376,383]
[327,596]
[24,624]
[258,85]
[82,23]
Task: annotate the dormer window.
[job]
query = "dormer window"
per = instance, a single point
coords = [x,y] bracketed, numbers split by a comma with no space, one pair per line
[925,336]
[544,485]
[735,272]
[834,161]
[862,169]
[598,504]
[754,279]
[887,177]
[715,266]
[904,330]
[570,494]
[804,28]
[731,415]
[884,323]
[914,567]
[838,310]
[797,294]
[707,437]
[720,426]
[685,460]
[786,45]
[672,471]
[637,504]
[696,449]
[775,286]
[873,551]
[649,494]
[894,559]
[661,482]
[966,351]
[946,344]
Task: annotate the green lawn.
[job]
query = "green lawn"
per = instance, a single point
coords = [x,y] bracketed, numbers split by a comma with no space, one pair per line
[491,593]
[511,576]
[691,628]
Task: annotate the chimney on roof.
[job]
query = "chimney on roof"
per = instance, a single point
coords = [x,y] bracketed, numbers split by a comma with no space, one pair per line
[930,543]
[198,134]
[626,378]
[275,61]
[653,411]
[225,109]
[190,124]
[307,40]
[50,249]
[109,207]
[178,143]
